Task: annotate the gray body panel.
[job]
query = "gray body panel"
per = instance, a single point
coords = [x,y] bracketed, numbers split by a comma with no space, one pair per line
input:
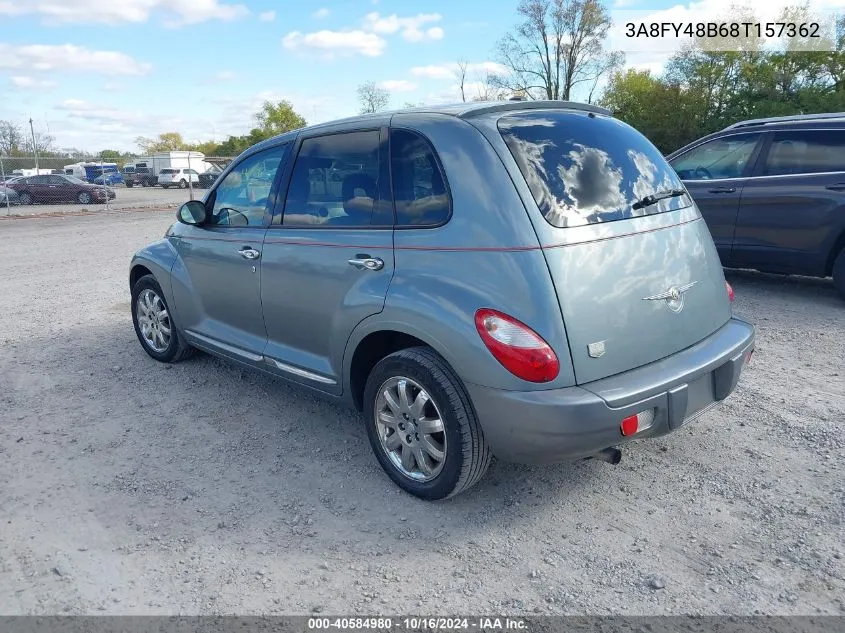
[300,311]
[565,424]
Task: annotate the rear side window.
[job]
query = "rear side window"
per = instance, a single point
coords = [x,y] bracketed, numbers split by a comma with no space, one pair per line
[419,190]
[806,152]
[335,181]
[583,169]
[725,157]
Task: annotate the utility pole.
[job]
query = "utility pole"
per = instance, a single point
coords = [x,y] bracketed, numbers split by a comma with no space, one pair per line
[34,145]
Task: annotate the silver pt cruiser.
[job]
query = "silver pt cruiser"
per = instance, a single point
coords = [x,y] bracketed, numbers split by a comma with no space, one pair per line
[524,280]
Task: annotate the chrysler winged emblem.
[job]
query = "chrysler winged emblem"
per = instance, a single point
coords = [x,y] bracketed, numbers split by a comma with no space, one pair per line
[674,297]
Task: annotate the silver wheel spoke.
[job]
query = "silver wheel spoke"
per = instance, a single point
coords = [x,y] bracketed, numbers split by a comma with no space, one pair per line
[430,425]
[419,404]
[429,447]
[404,400]
[393,441]
[407,458]
[164,329]
[391,402]
[422,462]
[388,419]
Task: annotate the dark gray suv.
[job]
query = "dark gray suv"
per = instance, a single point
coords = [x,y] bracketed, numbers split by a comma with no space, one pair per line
[529,281]
[772,192]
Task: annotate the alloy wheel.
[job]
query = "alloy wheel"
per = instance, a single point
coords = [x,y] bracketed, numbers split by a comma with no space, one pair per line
[410,429]
[154,321]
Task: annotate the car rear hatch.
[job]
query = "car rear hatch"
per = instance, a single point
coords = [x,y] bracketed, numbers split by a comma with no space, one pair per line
[634,267]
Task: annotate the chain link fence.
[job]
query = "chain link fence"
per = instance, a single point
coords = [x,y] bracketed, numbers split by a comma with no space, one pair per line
[33,184]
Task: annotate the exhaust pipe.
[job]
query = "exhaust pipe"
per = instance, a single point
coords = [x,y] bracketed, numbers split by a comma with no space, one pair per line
[610,455]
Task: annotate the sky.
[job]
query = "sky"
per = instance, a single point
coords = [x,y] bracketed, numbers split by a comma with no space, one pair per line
[96,75]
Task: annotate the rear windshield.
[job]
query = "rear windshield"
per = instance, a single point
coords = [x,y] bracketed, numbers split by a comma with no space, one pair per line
[169,171]
[585,169]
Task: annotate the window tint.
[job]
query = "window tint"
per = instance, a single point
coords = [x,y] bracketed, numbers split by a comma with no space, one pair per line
[724,157]
[241,197]
[419,191]
[335,181]
[38,180]
[585,169]
[806,152]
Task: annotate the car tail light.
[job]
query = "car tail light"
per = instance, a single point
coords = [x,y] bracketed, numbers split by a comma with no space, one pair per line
[517,347]
[730,290]
[638,422]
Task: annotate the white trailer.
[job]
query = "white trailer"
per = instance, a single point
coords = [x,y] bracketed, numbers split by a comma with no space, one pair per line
[172,160]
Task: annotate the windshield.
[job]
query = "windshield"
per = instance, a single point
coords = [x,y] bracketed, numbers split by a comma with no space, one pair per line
[585,169]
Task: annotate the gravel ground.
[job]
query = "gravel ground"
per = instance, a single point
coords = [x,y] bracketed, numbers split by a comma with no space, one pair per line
[131,487]
[125,198]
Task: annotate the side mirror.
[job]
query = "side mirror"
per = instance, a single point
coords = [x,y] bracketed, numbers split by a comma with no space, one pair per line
[192,212]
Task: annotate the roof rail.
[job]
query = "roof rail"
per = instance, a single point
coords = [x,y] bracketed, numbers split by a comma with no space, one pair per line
[504,106]
[786,119]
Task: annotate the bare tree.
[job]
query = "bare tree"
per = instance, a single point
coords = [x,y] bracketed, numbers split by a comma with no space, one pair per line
[43,143]
[11,138]
[558,46]
[462,65]
[607,65]
[372,98]
[487,89]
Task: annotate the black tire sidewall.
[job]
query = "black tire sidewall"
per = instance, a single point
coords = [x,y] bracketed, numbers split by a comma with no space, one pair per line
[144,283]
[446,481]
[25,198]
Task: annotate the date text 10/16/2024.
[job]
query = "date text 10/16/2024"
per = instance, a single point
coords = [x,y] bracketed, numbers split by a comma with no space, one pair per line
[413,623]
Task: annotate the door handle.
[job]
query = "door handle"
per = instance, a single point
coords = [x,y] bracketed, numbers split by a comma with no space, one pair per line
[248,252]
[370,263]
[722,190]
[840,186]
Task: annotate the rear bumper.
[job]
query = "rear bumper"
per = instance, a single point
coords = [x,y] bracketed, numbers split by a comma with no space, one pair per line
[564,424]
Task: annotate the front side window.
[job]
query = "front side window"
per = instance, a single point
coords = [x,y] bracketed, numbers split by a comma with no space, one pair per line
[419,190]
[335,181]
[241,197]
[725,157]
[586,169]
[806,152]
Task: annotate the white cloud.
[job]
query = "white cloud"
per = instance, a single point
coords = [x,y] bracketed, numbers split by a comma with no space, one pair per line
[450,70]
[319,14]
[410,27]
[225,75]
[336,43]
[30,83]
[398,85]
[173,12]
[267,16]
[68,57]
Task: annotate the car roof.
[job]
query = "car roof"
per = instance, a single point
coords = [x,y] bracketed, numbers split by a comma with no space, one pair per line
[459,110]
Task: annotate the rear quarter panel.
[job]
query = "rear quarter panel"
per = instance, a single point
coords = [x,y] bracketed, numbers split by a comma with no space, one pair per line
[487,255]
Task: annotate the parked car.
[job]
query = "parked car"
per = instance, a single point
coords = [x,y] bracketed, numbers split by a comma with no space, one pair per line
[170,177]
[525,280]
[59,188]
[109,178]
[772,192]
[8,196]
[207,179]
[141,176]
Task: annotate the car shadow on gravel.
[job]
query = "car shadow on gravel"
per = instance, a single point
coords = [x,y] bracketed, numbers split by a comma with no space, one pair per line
[789,286]
[208,443]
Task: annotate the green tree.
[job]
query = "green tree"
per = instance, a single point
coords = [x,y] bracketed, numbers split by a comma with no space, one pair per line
[165,142]
[277,118]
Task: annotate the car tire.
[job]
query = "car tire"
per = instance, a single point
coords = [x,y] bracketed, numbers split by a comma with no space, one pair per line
[25,198]
[84,197]
[128,184]
[183,184]
[839,272]
[465,454]
[159,337]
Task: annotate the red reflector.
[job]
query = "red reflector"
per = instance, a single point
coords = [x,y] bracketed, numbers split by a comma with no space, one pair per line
[630,425]
[730,290]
